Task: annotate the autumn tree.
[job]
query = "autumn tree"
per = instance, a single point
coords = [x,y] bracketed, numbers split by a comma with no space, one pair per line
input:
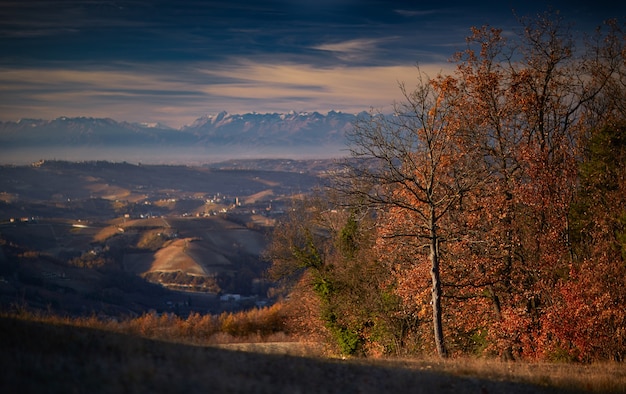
[526,101]
[589,320]
[497,197]
[414,169]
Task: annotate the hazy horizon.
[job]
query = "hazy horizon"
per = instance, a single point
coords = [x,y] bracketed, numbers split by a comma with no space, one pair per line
[164,155]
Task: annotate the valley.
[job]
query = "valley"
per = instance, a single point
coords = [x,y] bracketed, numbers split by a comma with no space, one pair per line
[117,239]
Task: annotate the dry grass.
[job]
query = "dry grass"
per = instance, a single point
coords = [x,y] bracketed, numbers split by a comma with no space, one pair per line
[594,378]
[59,358]
[251,326]
[232,352]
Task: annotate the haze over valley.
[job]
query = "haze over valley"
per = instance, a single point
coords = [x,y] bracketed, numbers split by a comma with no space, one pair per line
[120,238]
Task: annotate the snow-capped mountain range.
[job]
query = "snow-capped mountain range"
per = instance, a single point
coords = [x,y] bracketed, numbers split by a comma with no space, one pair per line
[293,129]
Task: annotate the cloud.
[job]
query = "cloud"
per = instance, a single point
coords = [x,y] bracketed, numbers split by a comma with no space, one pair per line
[35,18]
[273,87]
[361,49]
[124,94]
[178,98]
[412,13]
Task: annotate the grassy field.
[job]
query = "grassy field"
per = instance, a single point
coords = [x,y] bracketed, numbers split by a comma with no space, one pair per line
[49,357]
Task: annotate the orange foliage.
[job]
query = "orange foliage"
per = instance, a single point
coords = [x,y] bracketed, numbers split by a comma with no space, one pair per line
[509,272]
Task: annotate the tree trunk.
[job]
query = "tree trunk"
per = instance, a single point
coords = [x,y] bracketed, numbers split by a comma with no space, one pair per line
[436,290]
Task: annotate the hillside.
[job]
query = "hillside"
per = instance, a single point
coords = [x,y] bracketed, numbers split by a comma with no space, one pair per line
[38,357]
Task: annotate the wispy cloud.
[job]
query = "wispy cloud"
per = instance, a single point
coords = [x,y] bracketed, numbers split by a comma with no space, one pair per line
[360,49]
[125,94]
[180,98]
[60,18]
[412,13]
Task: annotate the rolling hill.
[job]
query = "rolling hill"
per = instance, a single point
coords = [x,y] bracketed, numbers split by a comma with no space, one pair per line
[120,238]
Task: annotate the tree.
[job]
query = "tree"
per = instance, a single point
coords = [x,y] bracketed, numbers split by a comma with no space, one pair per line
[414,169]
[527,102]
[588,322]
[326,251]
[500,189]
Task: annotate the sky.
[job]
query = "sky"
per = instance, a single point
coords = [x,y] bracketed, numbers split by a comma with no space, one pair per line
[174,61]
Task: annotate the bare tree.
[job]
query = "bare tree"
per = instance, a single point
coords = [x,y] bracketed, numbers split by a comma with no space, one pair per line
[414,162]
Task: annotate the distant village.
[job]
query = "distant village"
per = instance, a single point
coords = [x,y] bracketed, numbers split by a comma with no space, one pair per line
[215,205]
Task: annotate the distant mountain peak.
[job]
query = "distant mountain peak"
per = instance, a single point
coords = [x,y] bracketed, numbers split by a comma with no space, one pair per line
[302,128]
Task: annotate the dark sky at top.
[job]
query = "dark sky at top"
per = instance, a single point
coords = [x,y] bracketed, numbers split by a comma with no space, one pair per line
[174,61]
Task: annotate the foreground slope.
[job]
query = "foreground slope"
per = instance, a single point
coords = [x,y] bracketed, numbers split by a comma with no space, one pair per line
[38,357]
